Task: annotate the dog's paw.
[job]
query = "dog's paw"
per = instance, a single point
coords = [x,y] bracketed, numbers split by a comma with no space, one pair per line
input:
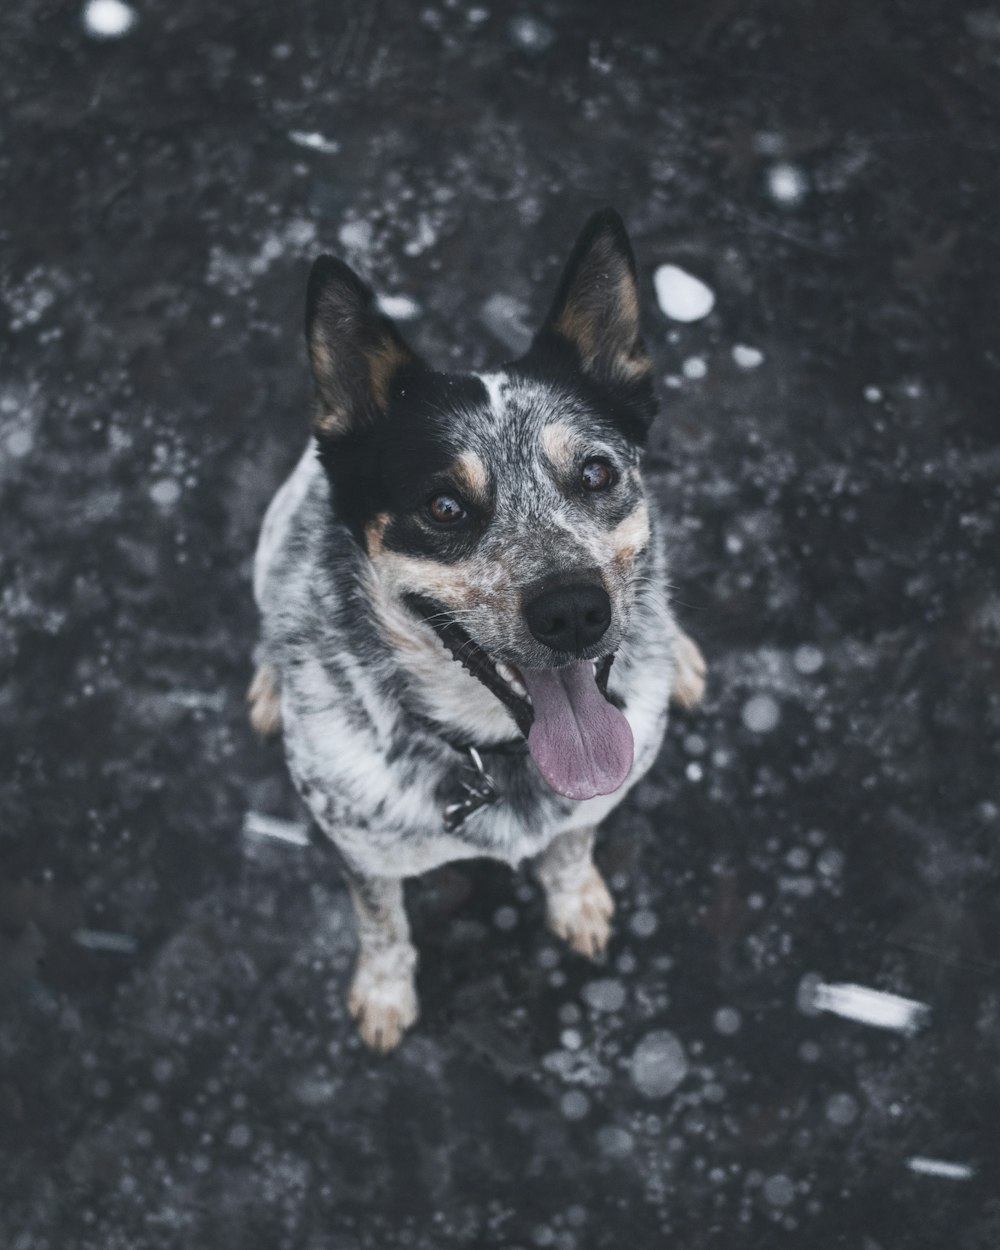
[689,679]
[264,698]
[383,1001]
[582,917]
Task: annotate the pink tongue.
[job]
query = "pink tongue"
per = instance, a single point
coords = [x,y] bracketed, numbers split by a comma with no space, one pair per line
[580,742]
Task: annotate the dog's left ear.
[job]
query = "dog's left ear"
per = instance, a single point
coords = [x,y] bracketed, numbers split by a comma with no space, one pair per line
[596,306]
[356,352]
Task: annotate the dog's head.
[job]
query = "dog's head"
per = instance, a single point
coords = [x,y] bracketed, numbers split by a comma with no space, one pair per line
[503,510]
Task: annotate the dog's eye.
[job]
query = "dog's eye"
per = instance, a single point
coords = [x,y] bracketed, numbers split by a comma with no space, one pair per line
[445,509]
[597,474]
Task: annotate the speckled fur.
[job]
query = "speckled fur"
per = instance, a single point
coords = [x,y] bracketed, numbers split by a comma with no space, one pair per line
[370,699]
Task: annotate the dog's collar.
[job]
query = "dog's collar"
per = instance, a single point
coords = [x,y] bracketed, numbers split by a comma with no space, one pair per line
[475,787]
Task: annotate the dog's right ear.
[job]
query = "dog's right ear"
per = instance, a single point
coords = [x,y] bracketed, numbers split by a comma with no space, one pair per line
[356,352]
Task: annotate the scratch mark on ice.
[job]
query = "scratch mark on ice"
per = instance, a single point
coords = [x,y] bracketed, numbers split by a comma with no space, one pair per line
[868,1006]
[101,940]
[258,825]
[940,1167]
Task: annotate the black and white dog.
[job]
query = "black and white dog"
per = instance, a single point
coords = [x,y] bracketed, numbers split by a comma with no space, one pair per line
[467,639]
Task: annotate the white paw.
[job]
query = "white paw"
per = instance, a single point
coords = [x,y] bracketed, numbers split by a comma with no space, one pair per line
[582,917]
[383,1001]
[689,679]
[264,697]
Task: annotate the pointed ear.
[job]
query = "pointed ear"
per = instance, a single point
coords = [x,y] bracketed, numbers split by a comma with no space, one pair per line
[596,307]
[355,351]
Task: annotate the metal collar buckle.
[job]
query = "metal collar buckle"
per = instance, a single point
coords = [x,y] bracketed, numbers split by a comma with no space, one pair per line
[480,790]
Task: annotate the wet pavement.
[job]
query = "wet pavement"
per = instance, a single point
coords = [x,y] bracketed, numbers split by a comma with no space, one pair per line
[176,1065]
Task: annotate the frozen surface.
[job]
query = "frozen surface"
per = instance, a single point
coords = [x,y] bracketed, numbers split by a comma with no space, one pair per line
[176,1064]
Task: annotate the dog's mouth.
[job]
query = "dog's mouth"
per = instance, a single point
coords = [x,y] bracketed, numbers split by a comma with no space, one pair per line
[580,742]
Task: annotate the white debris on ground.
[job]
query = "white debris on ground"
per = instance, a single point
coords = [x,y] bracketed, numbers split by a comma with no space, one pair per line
[681,295]
[877,1008]
[747,357]
[787,184]
[400,307]
[101,940]
[694,368]
[531,34]
[258,825]
[940,1167]
[316,142]
[108,19]
[604,995]
[659,1064]
[761,714]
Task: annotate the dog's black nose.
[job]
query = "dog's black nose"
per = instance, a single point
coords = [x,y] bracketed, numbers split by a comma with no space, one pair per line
[569,618]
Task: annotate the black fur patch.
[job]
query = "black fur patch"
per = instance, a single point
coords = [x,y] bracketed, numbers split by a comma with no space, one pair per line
[396,462]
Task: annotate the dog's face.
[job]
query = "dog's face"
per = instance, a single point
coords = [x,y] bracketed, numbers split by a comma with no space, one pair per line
[505,511]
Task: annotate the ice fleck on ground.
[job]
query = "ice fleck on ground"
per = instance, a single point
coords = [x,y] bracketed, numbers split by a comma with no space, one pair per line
[807,659]
[694,368]
[401,307]
[747,357]
[258,825]
[574,1104]
[681,295]
[355,236]
[108,19]
[779,1190]
[877,1008]
[940,1167]
[313,140]
[614,1142]
[841,1109]
[101,940]
[761,714]
[659,1064]
[165,493]
[505,918]
[873,394]
[727,1021]
[531,34]
[425,237]
[787,183]
[605,995]
[643,923]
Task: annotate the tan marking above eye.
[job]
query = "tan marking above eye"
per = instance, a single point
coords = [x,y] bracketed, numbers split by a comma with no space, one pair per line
[559,442]
[469,474]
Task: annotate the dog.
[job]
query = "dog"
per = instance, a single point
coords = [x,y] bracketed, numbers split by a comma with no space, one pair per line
[466,635]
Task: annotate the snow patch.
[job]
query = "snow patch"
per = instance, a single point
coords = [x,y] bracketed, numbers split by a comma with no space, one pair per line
[605,995]
[747,357]
[108,19]
[659,1064]
[681,295]
[761,714]
[401,307]
[316,142]
[874,1007]
[940,1167]
[258,825]
[787,184]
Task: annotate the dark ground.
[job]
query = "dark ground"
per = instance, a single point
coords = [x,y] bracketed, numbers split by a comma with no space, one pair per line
[832,809]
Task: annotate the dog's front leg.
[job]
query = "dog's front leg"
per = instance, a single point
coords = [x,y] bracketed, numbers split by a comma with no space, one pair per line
[383,996]
[578,905]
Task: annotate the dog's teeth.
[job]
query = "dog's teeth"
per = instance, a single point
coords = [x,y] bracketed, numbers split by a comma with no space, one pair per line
[595,666]
[518,687]
[506,673]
